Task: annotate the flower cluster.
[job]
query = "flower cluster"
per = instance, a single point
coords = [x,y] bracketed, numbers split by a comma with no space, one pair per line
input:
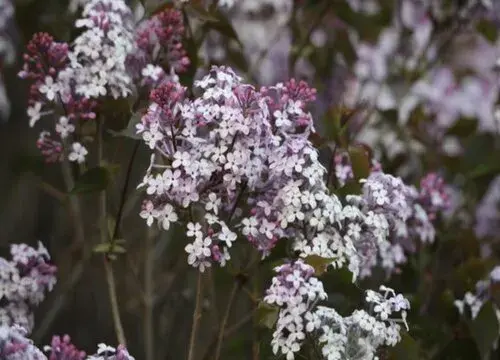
[389,217]
[63,349]
[24,281]
[359,335]
[449,99]
[395,218]
[158,45]
[475,301]
[296,291]
[53,92]
[15,346]
[99,53]
[234,142]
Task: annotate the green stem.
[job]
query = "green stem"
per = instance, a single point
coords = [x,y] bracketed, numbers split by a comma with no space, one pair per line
[196,317]
[110,278]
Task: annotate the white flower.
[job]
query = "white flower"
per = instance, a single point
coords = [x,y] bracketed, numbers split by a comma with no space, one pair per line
[149,213]
[49,88]
[167,216]
[250,226]
[194,230]
[78,153]
[34,113]
[227,236]
[64,127]
[213,203]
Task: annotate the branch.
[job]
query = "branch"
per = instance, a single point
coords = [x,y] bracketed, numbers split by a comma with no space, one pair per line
[232,296]
[196,317]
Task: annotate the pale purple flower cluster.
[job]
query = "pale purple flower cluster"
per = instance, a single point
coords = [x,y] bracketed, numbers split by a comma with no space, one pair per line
[63,349]
[105,352]
[483,293]
[14,345]
[158,45]
[434,195]
[53,94]
[448,99]
[390,218]
[99,53]
[234,142]
[24,281]
[296,291]
[359,335]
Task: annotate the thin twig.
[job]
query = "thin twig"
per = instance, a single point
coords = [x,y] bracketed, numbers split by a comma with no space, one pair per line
[110,278]
[232,297]
[229,331]
[51,190]
[196,317]
[124,192]
[148,296]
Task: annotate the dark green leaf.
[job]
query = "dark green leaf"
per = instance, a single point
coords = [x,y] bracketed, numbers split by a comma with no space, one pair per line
[223,26]
[267,315]
[319,263]
[130,131]
[155,9]
[95,179]
[463,127]
[484,330]
[360,162]
[201,13]
[351,187]
[488,30]
[406,349]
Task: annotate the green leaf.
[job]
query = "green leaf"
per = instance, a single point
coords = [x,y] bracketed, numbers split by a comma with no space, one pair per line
[223,26]
[201,13]
[155,9]
[406,349]
[488,168]
[95,179]
[463,127]
[353,187]
[485,329]
[130,131]
[488,30]
[267,315]
[320,264]
[118,249]
[102,248]
[360,162]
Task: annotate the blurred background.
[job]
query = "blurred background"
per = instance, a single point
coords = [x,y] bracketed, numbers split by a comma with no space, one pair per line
[363,54]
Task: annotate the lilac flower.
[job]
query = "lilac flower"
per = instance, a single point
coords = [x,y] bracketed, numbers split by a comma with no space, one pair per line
[63,349]
[53,89]
[14,345]
[101,50]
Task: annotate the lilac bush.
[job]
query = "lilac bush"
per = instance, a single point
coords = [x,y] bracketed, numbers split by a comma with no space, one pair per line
[301,152]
